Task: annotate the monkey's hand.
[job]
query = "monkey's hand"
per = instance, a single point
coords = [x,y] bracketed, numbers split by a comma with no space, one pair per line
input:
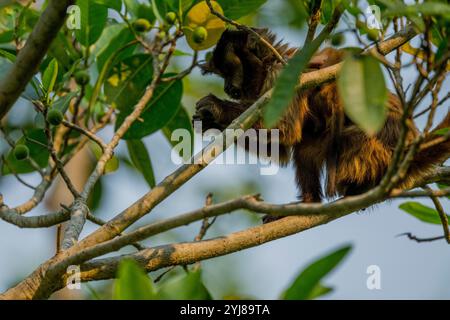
[209,110]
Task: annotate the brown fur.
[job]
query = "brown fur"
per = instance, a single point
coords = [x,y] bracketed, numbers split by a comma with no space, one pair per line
[314,128]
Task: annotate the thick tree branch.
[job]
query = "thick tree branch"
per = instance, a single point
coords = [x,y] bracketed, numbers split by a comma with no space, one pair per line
[42,221]
[78,214]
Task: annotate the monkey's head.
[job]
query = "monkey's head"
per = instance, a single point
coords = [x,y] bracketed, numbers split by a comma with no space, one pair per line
[244,63]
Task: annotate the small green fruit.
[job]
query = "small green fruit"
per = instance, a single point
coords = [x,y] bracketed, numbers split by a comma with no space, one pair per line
[55,117]
[200,35]
[337,39]
[82,77]
[171,17]
[21,152]
[373,35]
[161,34]
[208,56]
[142,25]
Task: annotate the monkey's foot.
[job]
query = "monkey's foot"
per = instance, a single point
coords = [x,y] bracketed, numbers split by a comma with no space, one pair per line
[270,218]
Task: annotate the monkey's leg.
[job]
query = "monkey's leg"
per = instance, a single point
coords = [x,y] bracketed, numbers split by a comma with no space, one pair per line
[308,160]
[308,164]
[362,162]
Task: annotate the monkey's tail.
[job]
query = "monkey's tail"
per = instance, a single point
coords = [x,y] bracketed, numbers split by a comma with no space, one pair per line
[434,151]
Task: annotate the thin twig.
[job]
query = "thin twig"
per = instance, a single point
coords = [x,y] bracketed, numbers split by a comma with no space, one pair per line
[58,163]
[413,237]
[16,175]
[206,224]
[442,215]
[184,73]
[87,133]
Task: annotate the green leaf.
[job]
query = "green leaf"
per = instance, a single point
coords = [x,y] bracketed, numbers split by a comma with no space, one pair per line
[63,103]
[285,86]
[113,4]
[95,197]
[426,9]
[6,36]
[141,160]
[318,291]
[127,81]
[176,5]
[180,121]
[93,21]
[185,287]
[179,53]
[50,74]
[389,7]
[441,132]
[38,153]
[327,11]
[421,212]
[305,286]
[62,50]
[8,55]
[113,38]
[104,72]
[7,22]
[132,283]
[112,164]
[162,108]
[235,9]
[139,10]
[363,91]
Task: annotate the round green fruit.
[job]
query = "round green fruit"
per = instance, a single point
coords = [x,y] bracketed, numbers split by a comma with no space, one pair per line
[142,25]
[21,152]
[82,77]
[200,35]
[208,56]
[55,117]
[171,17]
[161,34]
[337,39]
[373,35]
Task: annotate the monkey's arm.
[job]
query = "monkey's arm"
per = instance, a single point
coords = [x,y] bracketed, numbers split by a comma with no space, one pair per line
[216,113]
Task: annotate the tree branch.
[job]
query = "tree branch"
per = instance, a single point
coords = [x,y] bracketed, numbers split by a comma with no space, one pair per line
[78,214]
[42,221]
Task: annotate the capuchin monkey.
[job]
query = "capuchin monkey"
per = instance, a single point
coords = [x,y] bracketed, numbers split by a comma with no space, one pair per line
[314,132]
